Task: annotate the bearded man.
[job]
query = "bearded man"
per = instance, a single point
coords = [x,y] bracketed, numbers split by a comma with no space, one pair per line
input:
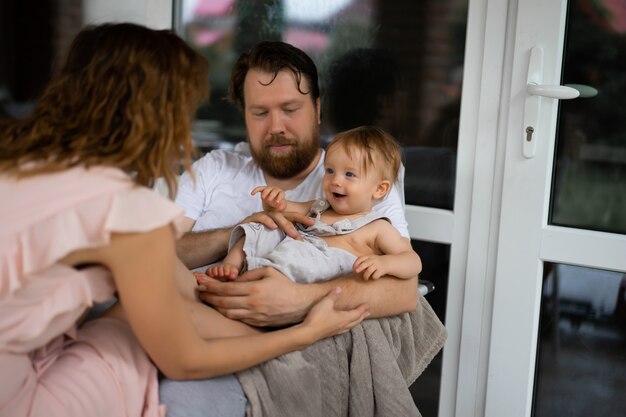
[276,87]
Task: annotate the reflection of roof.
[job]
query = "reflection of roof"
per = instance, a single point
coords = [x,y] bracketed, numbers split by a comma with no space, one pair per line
[213,7]
[208,37]
[305,39]
[309,11]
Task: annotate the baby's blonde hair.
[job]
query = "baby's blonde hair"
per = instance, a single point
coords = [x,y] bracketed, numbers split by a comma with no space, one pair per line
[378,148]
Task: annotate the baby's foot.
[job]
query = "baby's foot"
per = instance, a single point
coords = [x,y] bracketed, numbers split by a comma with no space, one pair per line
[223,272]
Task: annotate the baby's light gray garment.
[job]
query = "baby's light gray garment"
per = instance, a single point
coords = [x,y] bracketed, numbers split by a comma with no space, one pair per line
[303,261]
[341,227]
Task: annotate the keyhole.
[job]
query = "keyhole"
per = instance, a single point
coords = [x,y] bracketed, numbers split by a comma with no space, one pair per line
[529,133]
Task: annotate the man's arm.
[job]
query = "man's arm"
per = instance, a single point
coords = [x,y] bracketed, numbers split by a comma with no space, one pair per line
[268,298]
[197,249]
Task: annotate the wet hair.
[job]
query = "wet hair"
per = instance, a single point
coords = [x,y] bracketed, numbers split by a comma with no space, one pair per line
[124,98]
[378,149]
[273,57]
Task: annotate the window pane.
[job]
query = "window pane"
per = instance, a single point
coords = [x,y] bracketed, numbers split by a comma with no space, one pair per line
[393,64]
[436,260]
[590,171]
[581,367]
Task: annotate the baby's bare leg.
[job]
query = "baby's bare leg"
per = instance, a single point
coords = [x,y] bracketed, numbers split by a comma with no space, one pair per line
[232,264]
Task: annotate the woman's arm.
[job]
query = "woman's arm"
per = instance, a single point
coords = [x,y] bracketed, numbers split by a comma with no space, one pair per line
[143,267]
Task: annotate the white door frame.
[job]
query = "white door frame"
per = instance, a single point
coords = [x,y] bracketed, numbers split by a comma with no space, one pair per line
[525,240]
[475,220]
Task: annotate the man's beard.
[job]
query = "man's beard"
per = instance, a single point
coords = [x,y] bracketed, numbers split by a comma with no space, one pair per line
[288,164]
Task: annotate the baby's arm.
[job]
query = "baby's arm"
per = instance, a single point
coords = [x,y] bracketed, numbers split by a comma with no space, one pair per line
[232,265]
[273,199]
[398,259]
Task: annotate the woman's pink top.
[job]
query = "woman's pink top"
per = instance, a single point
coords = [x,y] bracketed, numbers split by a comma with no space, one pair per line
[48,366]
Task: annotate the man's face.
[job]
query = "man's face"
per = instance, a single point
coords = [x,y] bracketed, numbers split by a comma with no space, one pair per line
[282,123]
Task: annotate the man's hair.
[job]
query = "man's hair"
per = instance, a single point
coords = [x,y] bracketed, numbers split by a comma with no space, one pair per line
[124,98]
[273,57]
[378,149]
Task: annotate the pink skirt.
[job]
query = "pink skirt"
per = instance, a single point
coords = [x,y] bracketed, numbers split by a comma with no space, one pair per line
[103,371]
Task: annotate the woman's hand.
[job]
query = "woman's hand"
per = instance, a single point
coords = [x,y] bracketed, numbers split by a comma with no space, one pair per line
[325,321]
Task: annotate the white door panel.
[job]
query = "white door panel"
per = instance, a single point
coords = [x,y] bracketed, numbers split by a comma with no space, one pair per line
[526,239]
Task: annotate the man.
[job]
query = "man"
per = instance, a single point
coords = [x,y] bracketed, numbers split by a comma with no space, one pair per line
[276,87]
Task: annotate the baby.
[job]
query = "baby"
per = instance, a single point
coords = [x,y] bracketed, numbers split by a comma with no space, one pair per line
[360,165]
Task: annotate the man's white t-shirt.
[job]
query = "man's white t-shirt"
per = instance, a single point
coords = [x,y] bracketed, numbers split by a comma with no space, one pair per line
[220,196]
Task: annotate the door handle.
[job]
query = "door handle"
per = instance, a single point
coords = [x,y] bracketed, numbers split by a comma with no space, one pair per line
[535,90]
[560,92]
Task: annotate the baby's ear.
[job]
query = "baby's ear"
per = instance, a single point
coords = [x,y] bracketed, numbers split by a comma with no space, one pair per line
[382,189]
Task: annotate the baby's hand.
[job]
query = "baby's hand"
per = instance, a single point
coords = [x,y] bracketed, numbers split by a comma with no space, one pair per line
[223,272]
[372,266]
[273,198]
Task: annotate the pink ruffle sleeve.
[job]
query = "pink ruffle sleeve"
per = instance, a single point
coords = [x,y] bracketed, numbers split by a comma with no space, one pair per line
[48,366]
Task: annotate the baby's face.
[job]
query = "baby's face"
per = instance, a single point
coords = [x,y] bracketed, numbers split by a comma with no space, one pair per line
[348,188]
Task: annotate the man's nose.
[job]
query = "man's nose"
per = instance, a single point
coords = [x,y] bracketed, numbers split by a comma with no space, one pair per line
[277,125]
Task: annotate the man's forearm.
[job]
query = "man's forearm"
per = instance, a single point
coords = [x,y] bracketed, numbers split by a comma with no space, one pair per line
[385,296]
[197,249]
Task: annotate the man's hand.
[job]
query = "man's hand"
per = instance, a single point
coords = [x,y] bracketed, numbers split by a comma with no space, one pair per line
[282,220]
[261,297]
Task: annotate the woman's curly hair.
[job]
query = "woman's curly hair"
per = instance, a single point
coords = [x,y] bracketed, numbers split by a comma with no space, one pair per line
[124,98]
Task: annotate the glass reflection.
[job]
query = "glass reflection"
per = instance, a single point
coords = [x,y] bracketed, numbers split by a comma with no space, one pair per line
[581,367]
[436,258]
[589,189]
[397,65]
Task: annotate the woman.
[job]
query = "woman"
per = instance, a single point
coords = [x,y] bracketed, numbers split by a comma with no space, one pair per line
[78,225]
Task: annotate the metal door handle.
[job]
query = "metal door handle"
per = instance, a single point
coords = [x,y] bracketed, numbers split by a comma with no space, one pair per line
[560,92]
[535,90]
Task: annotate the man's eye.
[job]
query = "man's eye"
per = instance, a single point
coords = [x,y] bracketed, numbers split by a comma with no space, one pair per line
[259,113]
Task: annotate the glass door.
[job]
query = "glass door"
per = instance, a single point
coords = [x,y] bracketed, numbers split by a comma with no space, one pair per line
[398,65]
[558,334]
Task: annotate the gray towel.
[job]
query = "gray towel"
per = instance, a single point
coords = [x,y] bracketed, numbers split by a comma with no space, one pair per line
[365,372]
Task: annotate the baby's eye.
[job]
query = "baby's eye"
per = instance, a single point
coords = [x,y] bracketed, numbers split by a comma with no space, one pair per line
[329,171]
[350,174]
